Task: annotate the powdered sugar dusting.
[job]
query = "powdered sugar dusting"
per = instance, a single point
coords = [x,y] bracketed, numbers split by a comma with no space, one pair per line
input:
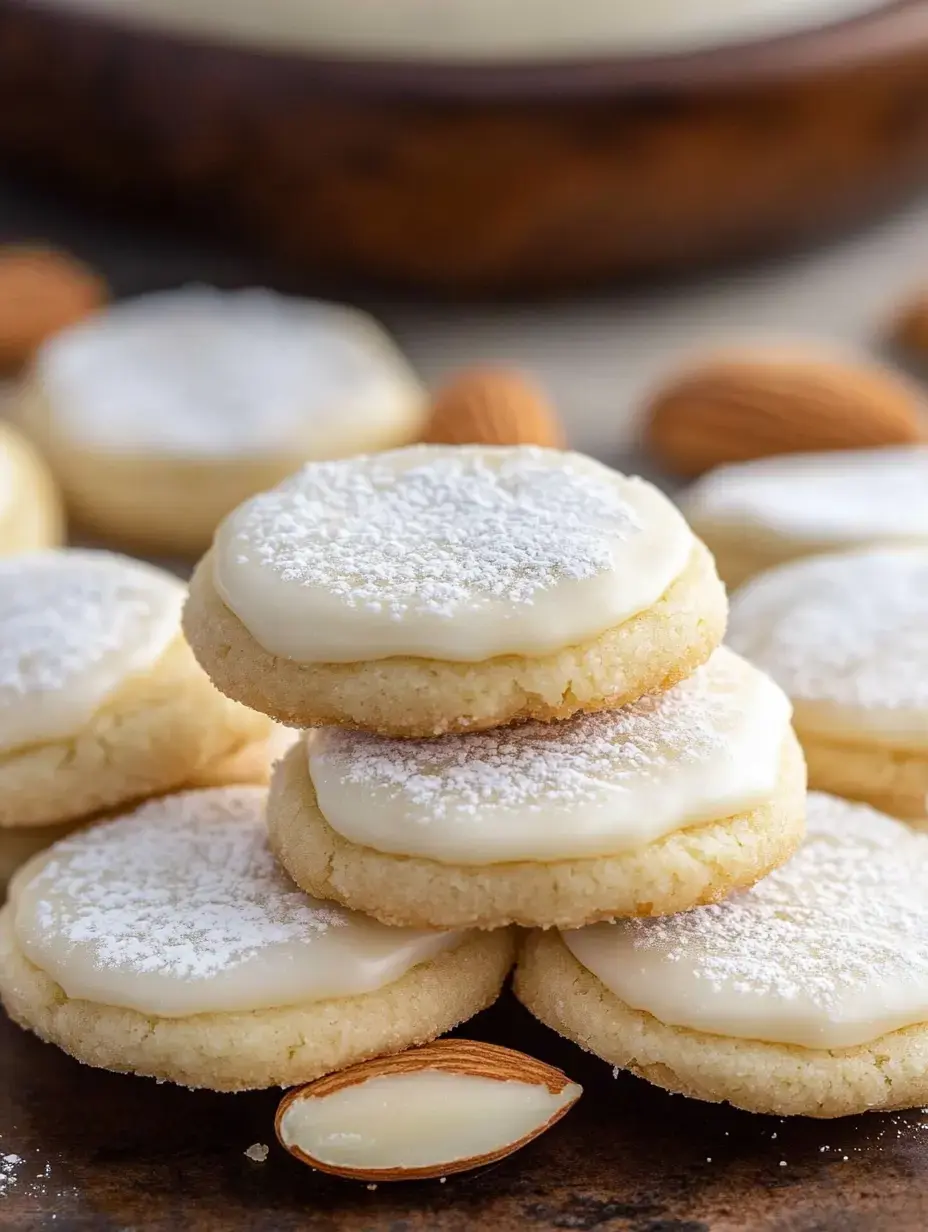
[72,625]
[535,765]
[851,630]
[848,909]
[201,372]
[440,529]
[184,887]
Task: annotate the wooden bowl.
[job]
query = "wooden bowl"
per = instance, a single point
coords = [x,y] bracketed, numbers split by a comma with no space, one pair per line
[476,179]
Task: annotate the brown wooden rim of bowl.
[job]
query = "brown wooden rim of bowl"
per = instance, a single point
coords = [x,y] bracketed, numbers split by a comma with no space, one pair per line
[893,30]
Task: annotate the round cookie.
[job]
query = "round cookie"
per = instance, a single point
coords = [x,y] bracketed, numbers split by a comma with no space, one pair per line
[440,589]
[31,516]
[168,943]
[251,764]
[756,515]
[675,800]
[804,996]
[163,413]
[846,638]
[101,700]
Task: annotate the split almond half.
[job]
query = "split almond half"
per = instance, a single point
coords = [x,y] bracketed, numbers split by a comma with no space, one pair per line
[448,1107]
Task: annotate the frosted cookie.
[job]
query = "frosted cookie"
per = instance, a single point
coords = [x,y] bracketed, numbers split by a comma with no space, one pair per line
[30,508]
[168,943]
[163,413]
[101,701]
[249,764]
[438,589]
[676,799]
[804,996]
[759,514]
[846,637]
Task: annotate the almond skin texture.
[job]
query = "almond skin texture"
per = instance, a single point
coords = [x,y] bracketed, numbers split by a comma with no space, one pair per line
[737,408]
[909,329]
[470,1058]
[493,406]
[41,292]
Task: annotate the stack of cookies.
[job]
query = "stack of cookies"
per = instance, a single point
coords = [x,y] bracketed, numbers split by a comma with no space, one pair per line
[517,711]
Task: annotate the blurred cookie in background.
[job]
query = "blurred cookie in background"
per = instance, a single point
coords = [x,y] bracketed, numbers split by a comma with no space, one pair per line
[846,638]
[161,414]
[30,507]
[759,514]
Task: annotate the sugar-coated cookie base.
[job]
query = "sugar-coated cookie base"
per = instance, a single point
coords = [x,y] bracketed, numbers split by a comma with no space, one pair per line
[895,781]
[163,729]
[34,518]
[781,1079]
[264,1048]
[698,865]
[409,697]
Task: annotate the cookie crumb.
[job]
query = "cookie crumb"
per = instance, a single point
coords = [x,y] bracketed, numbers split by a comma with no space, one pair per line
[258,1152]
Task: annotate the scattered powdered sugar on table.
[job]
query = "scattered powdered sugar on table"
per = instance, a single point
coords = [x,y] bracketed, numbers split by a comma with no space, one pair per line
[9,1172]
[34,1179]
[452,528]
[186,887]
[63,613]
[202,372]
[850,630]
[850,905]
[258,1152]
[535,764]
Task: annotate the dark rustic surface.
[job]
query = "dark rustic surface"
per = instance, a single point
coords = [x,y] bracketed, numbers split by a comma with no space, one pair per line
[105,1152]
[476,181]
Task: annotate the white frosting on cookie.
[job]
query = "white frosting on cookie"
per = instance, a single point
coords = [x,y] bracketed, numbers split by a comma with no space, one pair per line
[829,951]
[180,908]
[824,500]
[457,554]
[205,374]
[593,785]
[846,637]
[74,626]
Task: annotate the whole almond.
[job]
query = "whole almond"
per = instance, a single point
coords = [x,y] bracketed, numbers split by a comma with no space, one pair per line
[492,406]
[393,1120]
[737,408]
[42,291]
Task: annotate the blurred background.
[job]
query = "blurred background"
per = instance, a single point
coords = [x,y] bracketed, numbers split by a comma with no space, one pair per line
[589,189]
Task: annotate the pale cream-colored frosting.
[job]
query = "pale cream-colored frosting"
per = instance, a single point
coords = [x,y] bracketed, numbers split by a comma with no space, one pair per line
[74,625]
[829,951]
[199,373]
[846,637]
[180,908]
[489,30]
[419,1120]
[593,785]
[459,554]
[842,499]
